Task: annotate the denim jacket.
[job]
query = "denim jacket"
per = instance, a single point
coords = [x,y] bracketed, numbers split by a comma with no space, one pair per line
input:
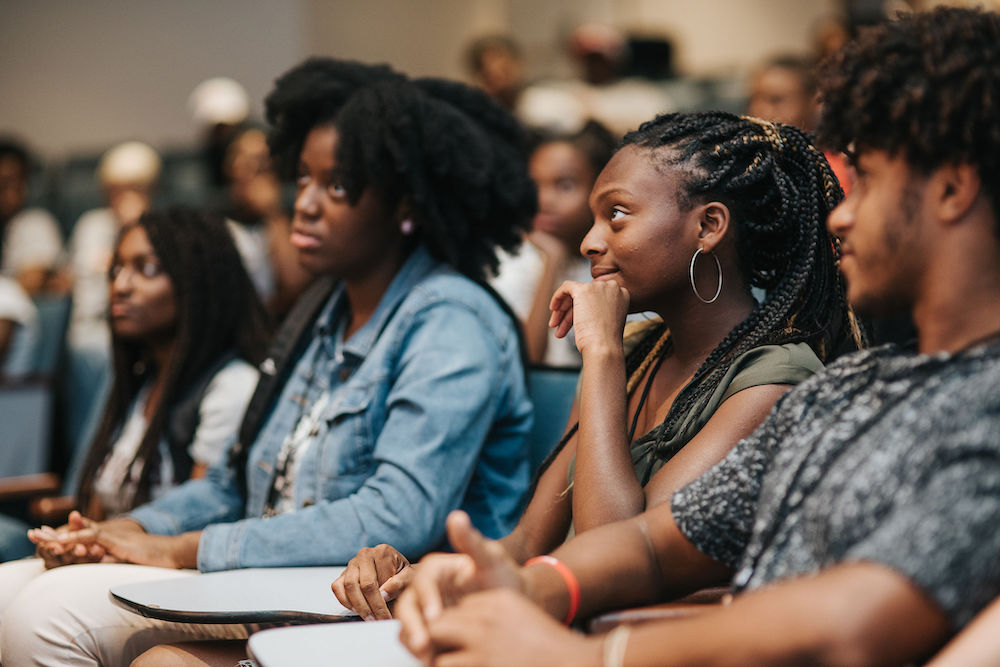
[428,412]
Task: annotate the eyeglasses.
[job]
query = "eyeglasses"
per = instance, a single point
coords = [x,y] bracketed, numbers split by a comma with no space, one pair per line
[145,266]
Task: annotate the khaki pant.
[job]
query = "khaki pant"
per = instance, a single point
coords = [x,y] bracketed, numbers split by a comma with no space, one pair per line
[65,616]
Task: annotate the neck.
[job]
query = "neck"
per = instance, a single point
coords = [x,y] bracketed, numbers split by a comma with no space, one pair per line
[697,328]
[161,352]
[364,295]
[959,300]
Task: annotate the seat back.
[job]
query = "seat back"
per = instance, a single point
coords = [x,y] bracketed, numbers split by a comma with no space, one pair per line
[53,317]
[552,391]
[26,415]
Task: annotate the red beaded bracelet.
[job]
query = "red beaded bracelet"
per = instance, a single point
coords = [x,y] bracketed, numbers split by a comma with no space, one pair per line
[572,585]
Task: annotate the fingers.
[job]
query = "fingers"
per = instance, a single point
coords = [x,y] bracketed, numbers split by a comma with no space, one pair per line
[489,556]
[396,584]
[561,306]
[465,538]
[413,632]
[357,588]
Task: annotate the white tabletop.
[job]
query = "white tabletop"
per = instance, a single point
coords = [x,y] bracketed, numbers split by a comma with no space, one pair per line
[372,644]
[257,595]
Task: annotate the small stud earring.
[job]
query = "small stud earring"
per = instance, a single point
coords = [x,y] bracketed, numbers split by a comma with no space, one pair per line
[406,226]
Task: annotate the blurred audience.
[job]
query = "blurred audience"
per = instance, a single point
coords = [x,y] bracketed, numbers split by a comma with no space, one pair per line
[30,242]
[602,90]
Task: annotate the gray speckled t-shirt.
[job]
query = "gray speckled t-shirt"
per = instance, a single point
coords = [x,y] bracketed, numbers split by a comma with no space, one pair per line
[884,457]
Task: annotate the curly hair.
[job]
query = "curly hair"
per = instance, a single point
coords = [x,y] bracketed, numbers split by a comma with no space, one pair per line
[925,86]
[218,313]
[779,189]
[453,154]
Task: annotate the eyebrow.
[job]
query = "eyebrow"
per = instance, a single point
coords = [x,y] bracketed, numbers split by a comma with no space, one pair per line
[604,194]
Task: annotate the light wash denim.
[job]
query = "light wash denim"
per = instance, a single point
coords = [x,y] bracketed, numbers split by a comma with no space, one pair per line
[429,413]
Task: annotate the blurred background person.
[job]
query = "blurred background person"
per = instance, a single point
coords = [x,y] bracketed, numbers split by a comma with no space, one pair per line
[127,174]
[564,168]
[497,66]
[18,329]
[783,90]
[30,242]
[220,105]
[259,223]
[187,332]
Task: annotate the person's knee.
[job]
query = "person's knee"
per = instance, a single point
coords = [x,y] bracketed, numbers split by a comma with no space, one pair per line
[158,656]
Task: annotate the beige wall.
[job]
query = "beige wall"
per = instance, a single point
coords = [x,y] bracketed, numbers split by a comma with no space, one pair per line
[81,75]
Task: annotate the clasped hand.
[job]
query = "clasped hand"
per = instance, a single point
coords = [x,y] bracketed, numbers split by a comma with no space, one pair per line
[83,540]
[467,608]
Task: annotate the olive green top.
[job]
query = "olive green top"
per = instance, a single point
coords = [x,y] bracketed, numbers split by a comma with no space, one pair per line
[790,364]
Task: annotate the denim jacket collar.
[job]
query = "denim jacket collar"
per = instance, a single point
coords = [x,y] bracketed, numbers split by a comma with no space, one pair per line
[417,265]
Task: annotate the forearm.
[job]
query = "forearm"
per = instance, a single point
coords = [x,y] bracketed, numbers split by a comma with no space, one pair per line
[852,615]
[630,563]
[976,645]
[605,488]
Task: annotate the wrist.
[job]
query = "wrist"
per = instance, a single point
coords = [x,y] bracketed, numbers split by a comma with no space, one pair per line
[603,352]
[184,554]
[570,588]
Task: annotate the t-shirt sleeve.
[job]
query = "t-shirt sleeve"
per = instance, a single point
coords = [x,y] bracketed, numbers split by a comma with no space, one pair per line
[221,411]
[716,511]
[943,535]
[791,364]
[34,241]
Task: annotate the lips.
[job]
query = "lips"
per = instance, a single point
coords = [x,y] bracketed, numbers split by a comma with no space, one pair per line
[599,272]
[303,241]
[120,309]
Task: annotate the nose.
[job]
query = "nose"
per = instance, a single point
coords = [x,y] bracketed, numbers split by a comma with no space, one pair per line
[122,282]
[593,244]
[307,202]
[841,218]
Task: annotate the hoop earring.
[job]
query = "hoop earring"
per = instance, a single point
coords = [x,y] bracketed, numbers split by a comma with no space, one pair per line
[694,289]
[406,227]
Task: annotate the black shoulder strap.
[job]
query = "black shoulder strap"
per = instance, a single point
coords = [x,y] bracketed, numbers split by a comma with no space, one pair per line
[275,369]
[185,416]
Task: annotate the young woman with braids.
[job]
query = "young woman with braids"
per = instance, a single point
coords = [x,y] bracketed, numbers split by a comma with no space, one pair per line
[394,392]
[689,214]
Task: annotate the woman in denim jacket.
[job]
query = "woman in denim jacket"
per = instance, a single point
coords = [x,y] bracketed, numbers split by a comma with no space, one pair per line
[404,399]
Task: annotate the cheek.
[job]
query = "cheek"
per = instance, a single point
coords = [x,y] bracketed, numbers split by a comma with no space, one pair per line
[162,306]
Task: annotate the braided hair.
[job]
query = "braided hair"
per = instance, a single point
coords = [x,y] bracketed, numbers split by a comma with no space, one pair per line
[779,190]
[452,153]
[218,312]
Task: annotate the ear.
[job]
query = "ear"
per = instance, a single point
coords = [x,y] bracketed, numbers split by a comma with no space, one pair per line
[713,224]
[404,210]
[955,189]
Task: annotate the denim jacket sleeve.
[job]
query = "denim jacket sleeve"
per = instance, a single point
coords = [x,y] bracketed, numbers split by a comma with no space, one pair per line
[449,378]
[194,504]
